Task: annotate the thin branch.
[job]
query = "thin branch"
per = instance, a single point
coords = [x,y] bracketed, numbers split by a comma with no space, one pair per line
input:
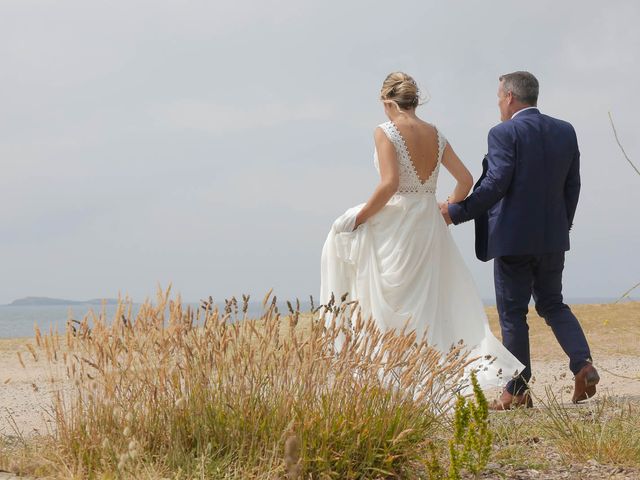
[615,134]
[626,294]
[617,374]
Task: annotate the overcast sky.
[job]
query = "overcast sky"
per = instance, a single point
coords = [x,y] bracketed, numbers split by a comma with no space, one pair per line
[211,144]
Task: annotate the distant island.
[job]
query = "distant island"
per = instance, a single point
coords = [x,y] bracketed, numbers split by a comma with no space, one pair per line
[47,302]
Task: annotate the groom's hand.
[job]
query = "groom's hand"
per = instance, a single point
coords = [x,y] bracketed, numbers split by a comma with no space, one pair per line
[444,209]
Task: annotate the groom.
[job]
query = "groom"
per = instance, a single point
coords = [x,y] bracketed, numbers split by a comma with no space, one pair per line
[523,207]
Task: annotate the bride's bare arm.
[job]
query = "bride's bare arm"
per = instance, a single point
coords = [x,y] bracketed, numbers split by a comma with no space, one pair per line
[462,175]
[389,178]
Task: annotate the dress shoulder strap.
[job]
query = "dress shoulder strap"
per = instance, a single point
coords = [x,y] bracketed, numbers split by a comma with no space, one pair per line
[392,133]
[442,143]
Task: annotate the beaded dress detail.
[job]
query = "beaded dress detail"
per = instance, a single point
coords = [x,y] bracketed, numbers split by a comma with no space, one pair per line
[409,180]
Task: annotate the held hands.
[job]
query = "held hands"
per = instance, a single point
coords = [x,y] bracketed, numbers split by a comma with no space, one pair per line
[444,210]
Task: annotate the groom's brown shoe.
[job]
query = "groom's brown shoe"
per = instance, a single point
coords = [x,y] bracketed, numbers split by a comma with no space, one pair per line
[507,401]
[586,380]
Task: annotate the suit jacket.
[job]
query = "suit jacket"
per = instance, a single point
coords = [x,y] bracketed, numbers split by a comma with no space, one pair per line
[525,202]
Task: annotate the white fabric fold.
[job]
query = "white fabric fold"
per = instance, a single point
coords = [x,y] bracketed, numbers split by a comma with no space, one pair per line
[403,264]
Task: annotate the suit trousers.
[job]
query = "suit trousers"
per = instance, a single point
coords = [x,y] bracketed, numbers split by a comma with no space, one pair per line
[518,277]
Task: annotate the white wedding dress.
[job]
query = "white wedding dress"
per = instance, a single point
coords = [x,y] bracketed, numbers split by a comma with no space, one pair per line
[403,264]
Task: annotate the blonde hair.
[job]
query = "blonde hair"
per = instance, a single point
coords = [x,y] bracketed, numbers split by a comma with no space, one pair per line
[400,89]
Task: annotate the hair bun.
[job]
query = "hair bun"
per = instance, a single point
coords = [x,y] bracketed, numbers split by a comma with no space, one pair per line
[402,89]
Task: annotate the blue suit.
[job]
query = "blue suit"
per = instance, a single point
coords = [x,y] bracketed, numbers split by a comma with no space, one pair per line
[523,207]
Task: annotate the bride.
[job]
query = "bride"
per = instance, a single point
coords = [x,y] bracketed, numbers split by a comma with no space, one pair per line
[395,254]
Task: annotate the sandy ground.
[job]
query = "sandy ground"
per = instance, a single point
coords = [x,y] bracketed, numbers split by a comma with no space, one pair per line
[25,393]
[612,330]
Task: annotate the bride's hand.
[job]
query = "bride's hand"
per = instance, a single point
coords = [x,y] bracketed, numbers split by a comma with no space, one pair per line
[358,222]
[346,223]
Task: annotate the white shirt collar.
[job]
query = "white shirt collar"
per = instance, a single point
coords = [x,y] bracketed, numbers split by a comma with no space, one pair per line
[528,108]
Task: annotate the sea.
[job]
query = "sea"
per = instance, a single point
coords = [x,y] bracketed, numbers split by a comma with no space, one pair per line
[19,321]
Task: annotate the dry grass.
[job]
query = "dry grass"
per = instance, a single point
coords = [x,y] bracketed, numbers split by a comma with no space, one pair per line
[194,394]
[607,431]
[597,440]
[207,394]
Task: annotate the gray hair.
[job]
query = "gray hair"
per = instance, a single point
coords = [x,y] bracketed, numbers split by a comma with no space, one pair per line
[523,85]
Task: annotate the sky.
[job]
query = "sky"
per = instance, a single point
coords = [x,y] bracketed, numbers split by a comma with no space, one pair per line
[210,145]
